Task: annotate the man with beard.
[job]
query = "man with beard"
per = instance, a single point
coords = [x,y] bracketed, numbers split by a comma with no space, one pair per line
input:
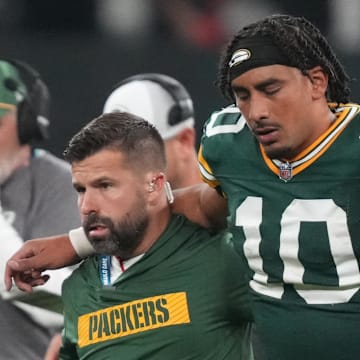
[165,103]
[160,286]
[286,160]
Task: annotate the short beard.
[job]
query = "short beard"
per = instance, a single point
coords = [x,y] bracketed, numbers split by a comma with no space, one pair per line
[279,154]
[124,236]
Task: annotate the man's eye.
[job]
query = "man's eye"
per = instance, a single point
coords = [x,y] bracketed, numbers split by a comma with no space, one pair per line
[79,189]
[242,96]
[271,90]
[105,185]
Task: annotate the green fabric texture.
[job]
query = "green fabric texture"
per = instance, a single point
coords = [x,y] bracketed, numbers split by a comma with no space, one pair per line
[185,299]
[299,238]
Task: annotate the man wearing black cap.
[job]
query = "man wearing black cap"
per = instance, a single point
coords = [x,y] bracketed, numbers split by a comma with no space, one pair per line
[35,199]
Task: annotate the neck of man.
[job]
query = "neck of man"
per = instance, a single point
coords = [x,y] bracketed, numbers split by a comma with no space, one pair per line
[158,221]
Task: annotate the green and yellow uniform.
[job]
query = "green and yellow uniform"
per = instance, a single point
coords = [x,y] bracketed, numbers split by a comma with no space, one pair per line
[297,228]
[184,299]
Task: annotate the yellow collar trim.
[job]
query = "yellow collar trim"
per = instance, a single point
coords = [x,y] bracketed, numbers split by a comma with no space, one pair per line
[344,114]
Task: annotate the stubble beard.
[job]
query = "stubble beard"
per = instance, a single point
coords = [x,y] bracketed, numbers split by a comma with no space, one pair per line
[124,236]
[279,153]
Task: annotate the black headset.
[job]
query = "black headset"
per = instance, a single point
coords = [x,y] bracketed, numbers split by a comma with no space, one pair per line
[33,109]
[182,109]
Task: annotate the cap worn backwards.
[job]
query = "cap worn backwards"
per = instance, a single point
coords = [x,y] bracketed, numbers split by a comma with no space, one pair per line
[12,88]
[149,100]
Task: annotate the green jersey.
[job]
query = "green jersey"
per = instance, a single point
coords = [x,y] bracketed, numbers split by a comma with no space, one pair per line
[296,226]
[179,301]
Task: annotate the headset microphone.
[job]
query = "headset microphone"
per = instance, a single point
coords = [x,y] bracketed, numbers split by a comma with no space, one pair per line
[183,106]
[33,109]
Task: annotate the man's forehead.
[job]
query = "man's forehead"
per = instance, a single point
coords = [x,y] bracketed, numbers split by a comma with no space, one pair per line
[266,74]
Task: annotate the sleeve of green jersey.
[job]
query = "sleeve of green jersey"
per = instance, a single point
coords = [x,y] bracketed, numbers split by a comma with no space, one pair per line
[216,131]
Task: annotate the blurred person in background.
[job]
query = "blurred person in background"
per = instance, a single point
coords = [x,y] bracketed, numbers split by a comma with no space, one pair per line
[36,199]
[165,103]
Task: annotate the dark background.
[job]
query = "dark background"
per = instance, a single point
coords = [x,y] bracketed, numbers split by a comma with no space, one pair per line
[80,62]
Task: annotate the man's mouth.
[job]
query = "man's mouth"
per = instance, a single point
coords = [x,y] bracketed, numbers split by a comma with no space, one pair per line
[266,135]
[97,230]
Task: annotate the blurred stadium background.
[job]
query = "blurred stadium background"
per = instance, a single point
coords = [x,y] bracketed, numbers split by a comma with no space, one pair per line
[82,48]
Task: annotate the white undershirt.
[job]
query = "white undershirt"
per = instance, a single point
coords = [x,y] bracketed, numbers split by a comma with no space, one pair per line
[119,267]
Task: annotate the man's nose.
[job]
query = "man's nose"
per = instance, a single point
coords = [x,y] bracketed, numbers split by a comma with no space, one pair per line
[87,203]
[258,109]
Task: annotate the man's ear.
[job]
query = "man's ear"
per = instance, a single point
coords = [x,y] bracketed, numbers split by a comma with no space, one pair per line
[156,183]
[156,188]
[319,80]
[187,136]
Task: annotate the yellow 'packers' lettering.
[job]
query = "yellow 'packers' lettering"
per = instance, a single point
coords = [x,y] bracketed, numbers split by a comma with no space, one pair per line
[140,314]
[93,325]
[146,314]
[165,314]
[104,325]
[126,321]
[115,326]
[151,308]
[133,317]
[136,317]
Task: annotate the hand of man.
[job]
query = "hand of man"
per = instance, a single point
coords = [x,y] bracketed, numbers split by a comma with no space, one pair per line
[25,267]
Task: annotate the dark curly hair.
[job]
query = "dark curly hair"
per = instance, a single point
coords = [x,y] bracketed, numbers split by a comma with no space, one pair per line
[301,43]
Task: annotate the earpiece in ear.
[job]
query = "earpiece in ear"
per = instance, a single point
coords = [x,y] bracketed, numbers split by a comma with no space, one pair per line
[151,186]
[169,193]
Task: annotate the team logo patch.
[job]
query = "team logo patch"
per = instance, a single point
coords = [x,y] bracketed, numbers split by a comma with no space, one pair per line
[239,56]
[134,317]
[285,171]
